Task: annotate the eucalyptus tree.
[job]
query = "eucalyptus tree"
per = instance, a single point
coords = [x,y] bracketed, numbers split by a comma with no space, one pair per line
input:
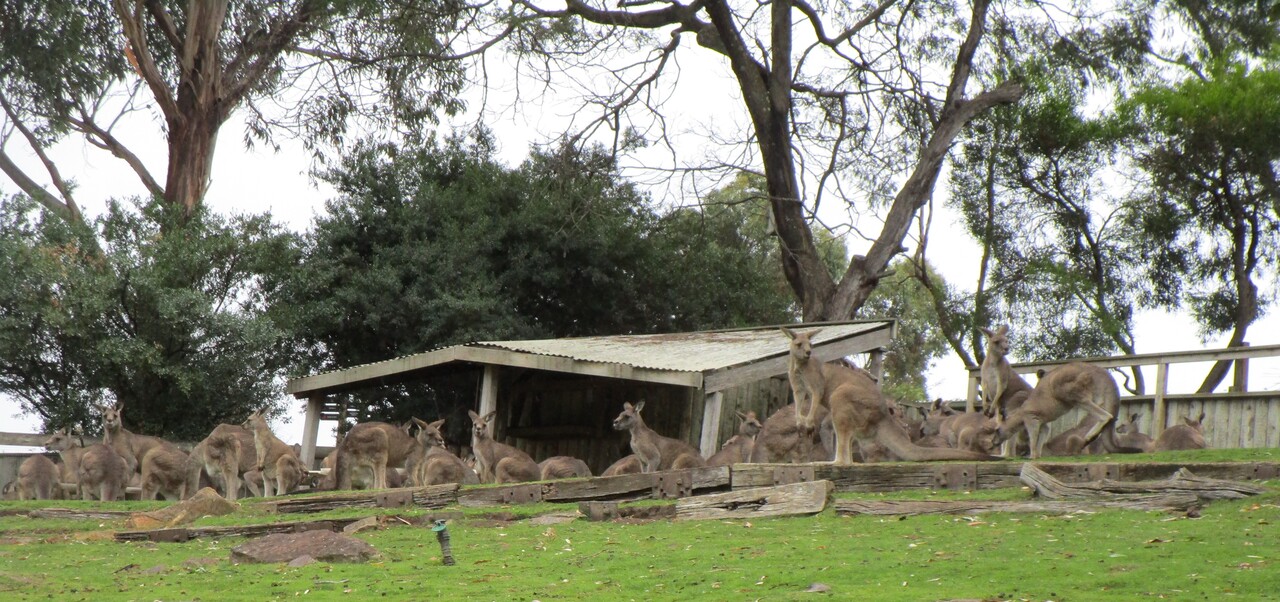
[76,68]
[860,102]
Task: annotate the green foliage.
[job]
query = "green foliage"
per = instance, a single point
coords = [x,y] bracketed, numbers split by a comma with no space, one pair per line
[438,244]
[919,340]
[171,318]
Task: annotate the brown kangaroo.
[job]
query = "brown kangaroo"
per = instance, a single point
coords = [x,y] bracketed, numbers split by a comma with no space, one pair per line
[655,451]
[780,438]
[131,446]
[629,464]
[563,467]
[1188,435]
[280,466]
[38,479]
[999,382]
[69,447]
[433,463]
[102,472]
[226,454]
[498,462]
[739,447]
[379,447]
[971,430]
[164,472]
[1074,385]
[805,376]
[1128,440]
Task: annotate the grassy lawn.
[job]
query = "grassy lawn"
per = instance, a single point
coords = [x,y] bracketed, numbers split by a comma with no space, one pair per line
[1229,552]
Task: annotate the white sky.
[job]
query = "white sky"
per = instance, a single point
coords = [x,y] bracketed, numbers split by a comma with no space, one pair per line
[262,180]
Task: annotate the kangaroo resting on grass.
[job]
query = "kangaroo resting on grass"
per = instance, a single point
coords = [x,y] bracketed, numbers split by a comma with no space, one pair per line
[282,470]
[498,462]
[859,412]
[628,464]
[563,467]
[655,451]
[1074,385]
[1188,435]
[433,463]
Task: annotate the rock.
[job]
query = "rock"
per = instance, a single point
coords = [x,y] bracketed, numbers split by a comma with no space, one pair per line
[818,588]
[205,502]
[556,518]
[301,561]
[372,522]
[321,545]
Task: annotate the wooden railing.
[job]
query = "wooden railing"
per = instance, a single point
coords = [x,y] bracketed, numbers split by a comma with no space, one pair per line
[1240,355]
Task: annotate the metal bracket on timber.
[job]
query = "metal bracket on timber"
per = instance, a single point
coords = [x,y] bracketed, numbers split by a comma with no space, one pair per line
[786,475]
[394,499]
[673,484]
[959,477]
[522,494]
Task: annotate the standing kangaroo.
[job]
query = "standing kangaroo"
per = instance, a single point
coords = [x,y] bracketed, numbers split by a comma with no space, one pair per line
[70,448]
[860,414]
[498,462]
[1074,385]
[1188,435]
[739,447]
[1003,390]
[38,479]
[805,376]
[377,446]
[226,454]
[655,451]
[164,472]
[131,446]
[280,466]
[102,472]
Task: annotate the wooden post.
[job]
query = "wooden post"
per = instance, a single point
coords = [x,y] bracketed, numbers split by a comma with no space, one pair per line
[489,391]
[310,430]
[971,401]
[1158,409]
[875,365]
[1240,382]
[711,423]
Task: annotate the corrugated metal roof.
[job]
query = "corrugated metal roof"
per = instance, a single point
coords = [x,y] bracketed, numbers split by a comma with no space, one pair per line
[684,352]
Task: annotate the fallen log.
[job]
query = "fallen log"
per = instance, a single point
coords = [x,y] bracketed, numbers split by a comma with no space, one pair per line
[1181,482]
[430,496]
[181,535]
[668,484]
[78,514]
[782,500]
[911,508]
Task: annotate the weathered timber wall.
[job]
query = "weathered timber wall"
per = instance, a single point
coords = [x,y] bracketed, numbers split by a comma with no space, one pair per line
[1232,420]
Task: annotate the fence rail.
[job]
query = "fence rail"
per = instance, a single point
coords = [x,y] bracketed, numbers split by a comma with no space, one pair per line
[1160,398]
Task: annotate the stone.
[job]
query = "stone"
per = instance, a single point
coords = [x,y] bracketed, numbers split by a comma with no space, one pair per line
[322,545]
[301,561]
[556,518]
[205,502]
[371,522]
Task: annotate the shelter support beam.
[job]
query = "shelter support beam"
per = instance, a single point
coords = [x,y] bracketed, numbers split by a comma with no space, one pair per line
[310,431]
[711,423]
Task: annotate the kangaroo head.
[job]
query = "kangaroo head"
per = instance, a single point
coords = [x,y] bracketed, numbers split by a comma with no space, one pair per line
[112,417]
[1197,424]
[60,440]
[480,424]
[997,340]
[801,342]
[254,420]
[429,433]
[751,425]
[629,417]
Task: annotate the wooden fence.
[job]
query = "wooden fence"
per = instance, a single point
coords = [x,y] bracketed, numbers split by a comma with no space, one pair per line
[1237,418]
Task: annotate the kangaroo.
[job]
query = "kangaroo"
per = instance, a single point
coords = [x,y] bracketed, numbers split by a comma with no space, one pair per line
[739,447]
[860,414]
[655,451]
[433,463]
[281,468]
[131,446]
[1128,440]
[805,376]
[970,430]
[102,472]
[498,462]
[1074,385]
[38,478]
[780,439]
[376,446]
[164,472]
[999,382]
[629,464]
[227,453]
[69,447]
[563,467]
[938,413]
[1188,435]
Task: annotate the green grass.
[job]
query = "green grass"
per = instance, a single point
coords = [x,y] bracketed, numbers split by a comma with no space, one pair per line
[1229,552]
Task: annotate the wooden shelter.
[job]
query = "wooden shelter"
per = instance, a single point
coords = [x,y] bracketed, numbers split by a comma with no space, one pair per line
[559,396]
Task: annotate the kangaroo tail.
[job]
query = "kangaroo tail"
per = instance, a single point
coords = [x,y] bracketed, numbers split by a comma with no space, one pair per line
[893,437]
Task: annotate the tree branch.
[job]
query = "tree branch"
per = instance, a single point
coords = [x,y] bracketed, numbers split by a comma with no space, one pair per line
[107,141]
[135,33]
[68,202]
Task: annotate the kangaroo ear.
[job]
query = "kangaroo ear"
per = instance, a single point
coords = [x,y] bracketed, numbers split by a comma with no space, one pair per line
[814,333]
[639,406]
[473,414]
[791,334]
[741,416]
[986,332]
[437,424]
[489,417]
[1003,329]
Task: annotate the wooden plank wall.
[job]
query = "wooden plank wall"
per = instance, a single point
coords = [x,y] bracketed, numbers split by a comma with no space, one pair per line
[764,397]
[1236,420]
